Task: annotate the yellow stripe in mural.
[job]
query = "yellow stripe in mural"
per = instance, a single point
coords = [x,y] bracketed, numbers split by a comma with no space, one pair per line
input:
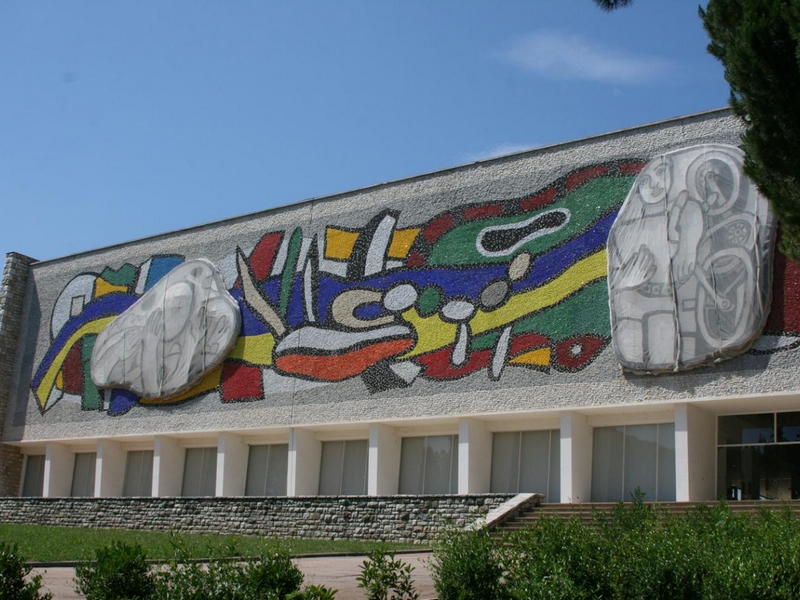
[103,287]
[208,383]
[433,333]
[49,379]
[540,357]
[254,349]
[579,275]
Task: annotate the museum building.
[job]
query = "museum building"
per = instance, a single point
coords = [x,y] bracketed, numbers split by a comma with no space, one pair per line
[579,320]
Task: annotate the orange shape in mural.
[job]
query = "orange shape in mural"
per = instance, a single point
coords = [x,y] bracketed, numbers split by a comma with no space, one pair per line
[339,366]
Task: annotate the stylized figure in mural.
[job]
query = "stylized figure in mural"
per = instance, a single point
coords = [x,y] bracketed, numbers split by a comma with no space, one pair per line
[689,259]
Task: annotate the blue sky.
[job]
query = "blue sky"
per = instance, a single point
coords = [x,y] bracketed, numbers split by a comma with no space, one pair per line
[120,120]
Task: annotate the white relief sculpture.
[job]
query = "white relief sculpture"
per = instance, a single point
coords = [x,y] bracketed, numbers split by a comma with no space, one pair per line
[689,262]
[171,337]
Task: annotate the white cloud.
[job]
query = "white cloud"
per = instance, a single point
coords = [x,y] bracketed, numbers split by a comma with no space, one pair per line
[499,150]
[561,55]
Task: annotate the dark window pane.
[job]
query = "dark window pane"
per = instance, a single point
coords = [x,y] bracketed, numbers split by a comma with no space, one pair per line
[744,472]
[789,427]
[747,429]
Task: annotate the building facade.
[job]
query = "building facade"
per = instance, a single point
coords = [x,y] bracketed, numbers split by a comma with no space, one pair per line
[579,321]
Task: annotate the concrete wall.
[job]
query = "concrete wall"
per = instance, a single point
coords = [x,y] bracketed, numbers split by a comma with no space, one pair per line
[339,264]
[414,519]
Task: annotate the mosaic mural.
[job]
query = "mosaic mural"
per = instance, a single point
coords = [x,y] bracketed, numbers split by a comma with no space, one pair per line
[690,259]
[477,290]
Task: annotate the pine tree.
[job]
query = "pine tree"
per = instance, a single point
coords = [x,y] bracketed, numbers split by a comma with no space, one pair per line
[610,5]
[758,43]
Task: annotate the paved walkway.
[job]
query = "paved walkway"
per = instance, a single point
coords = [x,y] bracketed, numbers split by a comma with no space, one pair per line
[338,572]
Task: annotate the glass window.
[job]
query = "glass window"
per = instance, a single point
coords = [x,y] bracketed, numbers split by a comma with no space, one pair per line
[412,465]
[527,461]
[83,474]
[138,473]
[266,470]
[607,453]
[33,483]
[635,456]
[429,465]
[747,429]
[666,462]
[789,427]
[759,472]
[343,470]
[200,472]
[758,464]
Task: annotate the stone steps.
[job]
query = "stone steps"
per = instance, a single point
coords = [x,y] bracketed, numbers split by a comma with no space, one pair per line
[589,513]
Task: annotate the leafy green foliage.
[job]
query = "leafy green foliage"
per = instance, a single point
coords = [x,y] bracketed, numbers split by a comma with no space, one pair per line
[313,592]
[119,571]
[639,551]
[468,566]
[757,42]
[13,572]
[384,578]
[273,576]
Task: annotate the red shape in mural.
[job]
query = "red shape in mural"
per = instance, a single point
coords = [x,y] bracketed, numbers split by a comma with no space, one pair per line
[581,177]
[539,200]
[575,353]
[241,382]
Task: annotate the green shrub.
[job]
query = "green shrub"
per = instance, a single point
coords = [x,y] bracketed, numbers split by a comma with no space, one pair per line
[467,566]
[382,575]
[13,572]
[637,552]
[273,576]
[313,592]
[273,572]
[119,571]
[555,559]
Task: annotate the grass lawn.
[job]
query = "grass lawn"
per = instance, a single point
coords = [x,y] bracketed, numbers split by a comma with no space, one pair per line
[39,543]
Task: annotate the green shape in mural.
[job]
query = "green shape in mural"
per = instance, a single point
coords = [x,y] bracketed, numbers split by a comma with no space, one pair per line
[429,301]
[584,205]
[125,275]
[287,277]
[584,313]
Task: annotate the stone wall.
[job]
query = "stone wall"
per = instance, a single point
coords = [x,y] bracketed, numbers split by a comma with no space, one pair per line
[415,519]
[12,299]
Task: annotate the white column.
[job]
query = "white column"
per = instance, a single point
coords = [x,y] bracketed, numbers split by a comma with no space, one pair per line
[59,462]
[231,465]
[109,477]
[383,470]
[305,455]
[474,457]
[168,461]
[576,458]
[695,454]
